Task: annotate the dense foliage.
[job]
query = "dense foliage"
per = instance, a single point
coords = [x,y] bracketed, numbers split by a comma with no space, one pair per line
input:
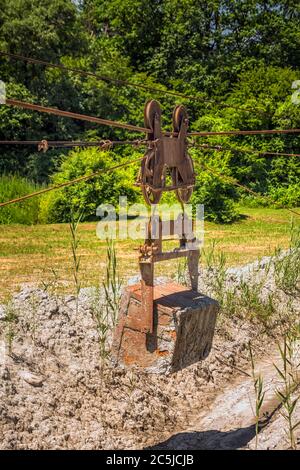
[243,53]
[84,197]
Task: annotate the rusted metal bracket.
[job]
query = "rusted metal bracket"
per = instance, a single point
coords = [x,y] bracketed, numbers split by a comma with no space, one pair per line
[43,146]
[151,252]
[166,154]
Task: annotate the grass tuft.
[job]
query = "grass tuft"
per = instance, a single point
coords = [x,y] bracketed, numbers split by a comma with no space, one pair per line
[27,212]
[75,240]
[288,373]
[259,394]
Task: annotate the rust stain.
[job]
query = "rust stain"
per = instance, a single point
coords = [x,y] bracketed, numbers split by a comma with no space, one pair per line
[172,333]
[162,353]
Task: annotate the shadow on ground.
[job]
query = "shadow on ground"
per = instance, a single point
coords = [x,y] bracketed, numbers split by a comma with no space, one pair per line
[210,440]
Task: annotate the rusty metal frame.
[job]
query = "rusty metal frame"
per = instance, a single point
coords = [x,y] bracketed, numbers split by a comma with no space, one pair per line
[152,252]
[166,166]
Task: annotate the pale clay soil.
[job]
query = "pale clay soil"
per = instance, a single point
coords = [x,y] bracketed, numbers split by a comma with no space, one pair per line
[55,395]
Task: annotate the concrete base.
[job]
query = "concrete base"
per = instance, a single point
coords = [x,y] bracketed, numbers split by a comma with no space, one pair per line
[184,323]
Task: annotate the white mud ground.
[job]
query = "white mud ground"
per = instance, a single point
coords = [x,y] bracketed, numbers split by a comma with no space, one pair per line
[55,395]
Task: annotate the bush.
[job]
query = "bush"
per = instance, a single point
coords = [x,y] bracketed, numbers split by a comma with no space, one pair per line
[283,196]
[287,195]
[250,201]
[217,195]
[219,207]
[27,212]
[85,197]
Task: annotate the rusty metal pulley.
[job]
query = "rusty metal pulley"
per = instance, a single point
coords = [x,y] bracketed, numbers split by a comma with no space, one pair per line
[166,155]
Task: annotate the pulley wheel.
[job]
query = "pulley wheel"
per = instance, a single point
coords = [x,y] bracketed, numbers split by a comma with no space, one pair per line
[146,179]
[151,110]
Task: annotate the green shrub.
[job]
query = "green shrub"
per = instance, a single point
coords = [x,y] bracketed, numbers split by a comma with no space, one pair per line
[217,195]
[247,200]
[27,212]
[283,196]
[85,197]
[287,195]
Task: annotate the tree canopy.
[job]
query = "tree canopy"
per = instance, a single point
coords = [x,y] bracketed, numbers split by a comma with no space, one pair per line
[242,53]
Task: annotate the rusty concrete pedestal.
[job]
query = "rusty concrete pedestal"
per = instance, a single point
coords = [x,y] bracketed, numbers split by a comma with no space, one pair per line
[183,327]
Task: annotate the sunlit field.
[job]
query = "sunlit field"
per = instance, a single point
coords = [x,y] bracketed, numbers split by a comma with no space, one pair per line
[41,254]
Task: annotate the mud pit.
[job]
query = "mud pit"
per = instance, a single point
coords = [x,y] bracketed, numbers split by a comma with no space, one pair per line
[55,395]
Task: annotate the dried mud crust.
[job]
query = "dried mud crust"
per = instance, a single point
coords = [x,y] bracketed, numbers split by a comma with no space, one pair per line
[54,394]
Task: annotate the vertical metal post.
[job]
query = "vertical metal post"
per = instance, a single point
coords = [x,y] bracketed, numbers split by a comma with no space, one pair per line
[193,267]
[147,288]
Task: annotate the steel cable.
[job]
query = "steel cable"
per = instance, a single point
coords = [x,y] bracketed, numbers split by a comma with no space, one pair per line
[128,83]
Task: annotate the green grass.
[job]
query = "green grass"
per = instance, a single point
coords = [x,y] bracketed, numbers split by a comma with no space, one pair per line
[30,254]
[11,187]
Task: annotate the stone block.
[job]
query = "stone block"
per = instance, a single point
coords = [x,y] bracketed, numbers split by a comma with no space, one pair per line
[184,324]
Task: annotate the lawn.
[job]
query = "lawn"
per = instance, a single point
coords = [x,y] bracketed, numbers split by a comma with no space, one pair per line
[41,253]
